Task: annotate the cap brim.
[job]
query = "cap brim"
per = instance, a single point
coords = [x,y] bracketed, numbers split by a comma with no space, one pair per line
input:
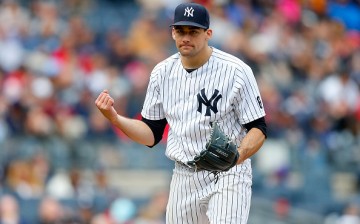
[188,23]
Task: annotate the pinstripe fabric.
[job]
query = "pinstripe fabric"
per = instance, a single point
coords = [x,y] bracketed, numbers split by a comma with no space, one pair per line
[195,198]
[173,94]
[223,90]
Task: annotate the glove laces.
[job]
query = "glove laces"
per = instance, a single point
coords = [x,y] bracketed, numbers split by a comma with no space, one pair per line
[216,175]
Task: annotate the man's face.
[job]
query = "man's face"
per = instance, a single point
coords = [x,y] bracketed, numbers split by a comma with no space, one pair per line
[190,40]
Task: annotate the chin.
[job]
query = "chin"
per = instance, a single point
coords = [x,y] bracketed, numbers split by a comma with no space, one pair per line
[186,53]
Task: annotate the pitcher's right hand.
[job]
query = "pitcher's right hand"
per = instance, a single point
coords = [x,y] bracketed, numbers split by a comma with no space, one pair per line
[105,103]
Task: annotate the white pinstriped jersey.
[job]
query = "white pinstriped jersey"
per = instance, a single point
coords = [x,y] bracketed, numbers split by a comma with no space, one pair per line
[223,90]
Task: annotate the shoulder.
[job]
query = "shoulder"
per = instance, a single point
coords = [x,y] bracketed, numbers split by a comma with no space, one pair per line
[166,64]
[230,60]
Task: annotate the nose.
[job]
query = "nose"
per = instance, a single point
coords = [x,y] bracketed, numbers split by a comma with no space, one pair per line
[186,37]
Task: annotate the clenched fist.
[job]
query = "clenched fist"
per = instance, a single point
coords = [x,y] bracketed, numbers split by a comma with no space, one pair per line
[105,103]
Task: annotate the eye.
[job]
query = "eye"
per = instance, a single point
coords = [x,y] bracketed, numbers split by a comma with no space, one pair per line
[180,32]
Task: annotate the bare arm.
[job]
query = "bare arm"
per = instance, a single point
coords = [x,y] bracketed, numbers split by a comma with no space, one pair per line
[251,143]
[136,130]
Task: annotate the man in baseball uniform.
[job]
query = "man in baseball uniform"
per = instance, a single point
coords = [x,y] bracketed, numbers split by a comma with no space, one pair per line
[189,91]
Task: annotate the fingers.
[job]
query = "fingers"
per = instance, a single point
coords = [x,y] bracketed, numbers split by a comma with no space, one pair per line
[104,100]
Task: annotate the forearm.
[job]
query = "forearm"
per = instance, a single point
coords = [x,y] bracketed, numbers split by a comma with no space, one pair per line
[251,143]
[136,130]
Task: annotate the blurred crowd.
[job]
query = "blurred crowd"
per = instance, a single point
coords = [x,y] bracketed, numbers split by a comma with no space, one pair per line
[57,56]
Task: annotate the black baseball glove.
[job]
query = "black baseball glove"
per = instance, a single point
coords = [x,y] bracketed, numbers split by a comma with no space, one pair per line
[220,154]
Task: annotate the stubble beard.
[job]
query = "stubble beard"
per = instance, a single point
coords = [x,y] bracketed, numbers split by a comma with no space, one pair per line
[187,52]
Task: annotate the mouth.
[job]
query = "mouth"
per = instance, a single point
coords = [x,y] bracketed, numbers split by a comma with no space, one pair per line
[185,46]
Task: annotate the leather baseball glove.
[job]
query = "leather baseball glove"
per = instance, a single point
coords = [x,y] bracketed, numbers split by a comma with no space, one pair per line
[220,154]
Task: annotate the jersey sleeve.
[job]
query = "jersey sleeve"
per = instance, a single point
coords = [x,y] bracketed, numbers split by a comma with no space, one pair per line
[152,108]
[248,102]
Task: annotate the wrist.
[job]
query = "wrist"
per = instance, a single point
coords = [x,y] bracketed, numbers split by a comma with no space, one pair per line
[114,119]
[241,158]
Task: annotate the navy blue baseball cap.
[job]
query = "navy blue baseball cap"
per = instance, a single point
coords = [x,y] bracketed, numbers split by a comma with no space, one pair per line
[191,14]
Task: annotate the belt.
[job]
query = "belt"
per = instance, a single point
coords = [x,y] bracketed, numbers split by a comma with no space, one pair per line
[185,166]
[188,168]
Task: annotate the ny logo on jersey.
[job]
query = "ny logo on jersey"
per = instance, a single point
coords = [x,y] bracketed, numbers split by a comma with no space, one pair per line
[189,12]
[211,104]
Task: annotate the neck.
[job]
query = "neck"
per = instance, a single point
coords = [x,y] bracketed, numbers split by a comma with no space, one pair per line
[193,62]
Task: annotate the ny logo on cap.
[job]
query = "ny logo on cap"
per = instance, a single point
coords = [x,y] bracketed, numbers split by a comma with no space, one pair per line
[189,12]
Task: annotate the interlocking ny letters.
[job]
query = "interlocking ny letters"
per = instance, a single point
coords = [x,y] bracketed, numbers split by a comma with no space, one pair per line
[211,104]
[189,12]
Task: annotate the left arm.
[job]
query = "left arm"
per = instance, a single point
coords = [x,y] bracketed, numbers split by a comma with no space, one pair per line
[251,143]
[250,109]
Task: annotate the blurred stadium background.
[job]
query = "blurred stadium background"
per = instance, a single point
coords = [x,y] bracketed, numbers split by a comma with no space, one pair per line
[61,162]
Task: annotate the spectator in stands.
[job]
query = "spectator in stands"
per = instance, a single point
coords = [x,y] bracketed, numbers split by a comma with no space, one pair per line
[9,210]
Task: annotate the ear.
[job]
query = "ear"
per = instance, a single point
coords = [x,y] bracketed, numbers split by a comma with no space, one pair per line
[173,33]
[208,34]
